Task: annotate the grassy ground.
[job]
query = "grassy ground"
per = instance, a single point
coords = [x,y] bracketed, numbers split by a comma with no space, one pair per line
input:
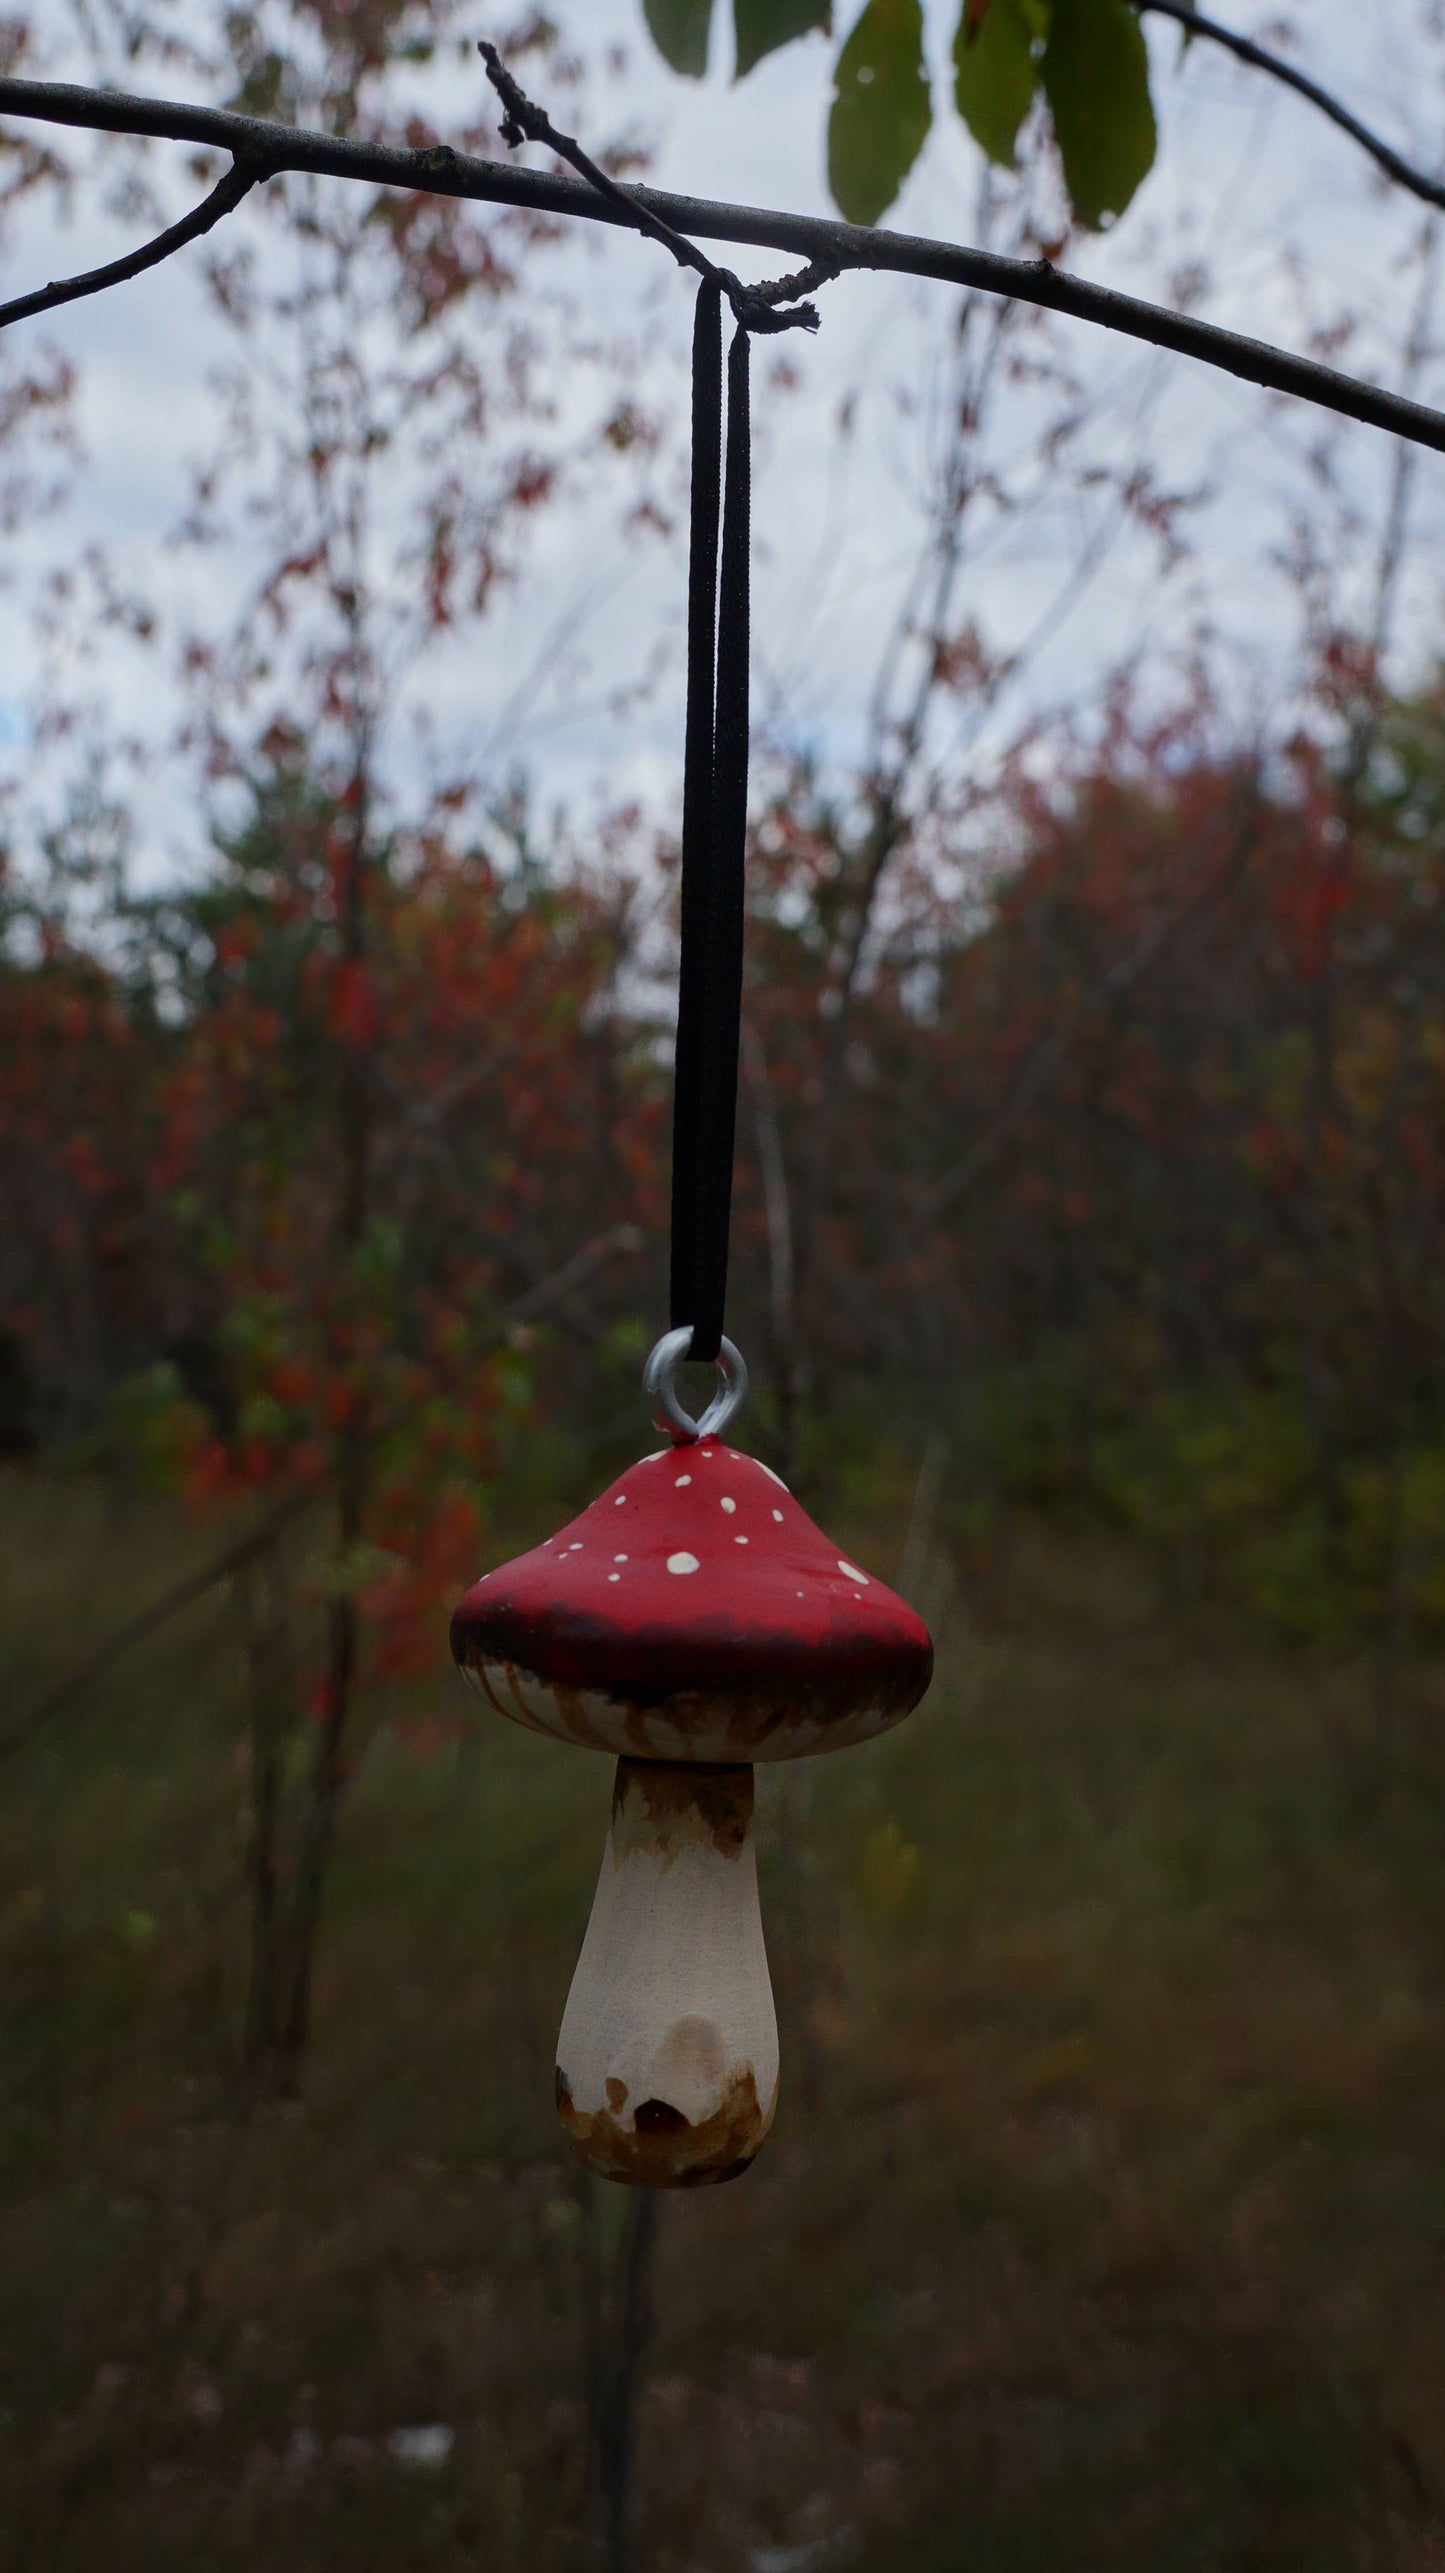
[1103,2225]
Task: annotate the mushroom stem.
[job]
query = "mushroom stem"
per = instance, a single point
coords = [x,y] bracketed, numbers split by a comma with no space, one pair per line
[667,2061]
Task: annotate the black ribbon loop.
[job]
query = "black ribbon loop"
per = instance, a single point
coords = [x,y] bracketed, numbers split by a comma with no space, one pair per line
[714,833]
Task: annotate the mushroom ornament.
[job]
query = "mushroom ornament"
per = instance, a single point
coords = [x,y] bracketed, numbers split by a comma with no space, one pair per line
[693,1620]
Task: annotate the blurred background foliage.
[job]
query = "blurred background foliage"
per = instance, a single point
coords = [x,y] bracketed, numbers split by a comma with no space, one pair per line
[1131,1192]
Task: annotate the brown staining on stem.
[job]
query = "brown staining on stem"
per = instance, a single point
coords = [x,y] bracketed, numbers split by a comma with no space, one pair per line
[661,2149]
[659,2117]
[662,1806]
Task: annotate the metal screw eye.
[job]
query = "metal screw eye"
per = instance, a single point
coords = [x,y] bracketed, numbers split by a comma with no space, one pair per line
[659,1375]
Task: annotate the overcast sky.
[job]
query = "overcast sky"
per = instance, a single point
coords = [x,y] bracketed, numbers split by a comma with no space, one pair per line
[1280,210]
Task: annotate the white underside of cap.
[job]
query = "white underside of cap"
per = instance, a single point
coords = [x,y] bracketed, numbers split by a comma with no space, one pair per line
[689,1728]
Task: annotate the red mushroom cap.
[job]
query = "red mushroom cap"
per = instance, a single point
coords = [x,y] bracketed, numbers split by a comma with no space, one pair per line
[694,1612]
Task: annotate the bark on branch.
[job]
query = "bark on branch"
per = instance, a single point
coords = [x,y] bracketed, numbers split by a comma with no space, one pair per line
[227,194]
[620,1241]
[755,306]
[1259,58]
[437,170]
[97,1663]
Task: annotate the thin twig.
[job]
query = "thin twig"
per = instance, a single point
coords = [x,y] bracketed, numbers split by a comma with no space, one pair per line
[524,122]
[439,171]
[621,1241]
[1048,1058]
[782,290]
[96,1664]
[1244,48]
[633,2325]
[224,197]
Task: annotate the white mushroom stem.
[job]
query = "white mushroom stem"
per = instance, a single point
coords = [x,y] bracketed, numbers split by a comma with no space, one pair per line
[667,2062]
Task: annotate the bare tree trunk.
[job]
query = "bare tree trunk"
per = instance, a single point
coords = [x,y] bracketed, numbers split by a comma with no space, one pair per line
[896,787]
[778,1211]
[271,1712]
[911,1578]
[1392,1621]
[619,2445]
[828,1121]
[616,2327]
[327,1784]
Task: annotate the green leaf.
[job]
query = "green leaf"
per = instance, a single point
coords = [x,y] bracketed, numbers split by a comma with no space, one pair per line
[997,73]
[1096,75]
[679,29]
[762,25]
[881,109]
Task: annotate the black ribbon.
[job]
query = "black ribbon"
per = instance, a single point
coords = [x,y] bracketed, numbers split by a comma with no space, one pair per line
[714,831]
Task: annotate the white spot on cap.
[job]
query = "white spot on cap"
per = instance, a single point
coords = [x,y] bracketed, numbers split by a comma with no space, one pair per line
[614,1576]
[728,1505]
[681,1563]
[777,1514]
[656,1456]
[617,1504]
[576,1547]
[740,1541]
[853,1572]
[772,1477]
[619,1558]
[681,1480]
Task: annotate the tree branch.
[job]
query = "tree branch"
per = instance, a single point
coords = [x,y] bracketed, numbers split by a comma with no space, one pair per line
[620,1241]
[1244,48]
[1118,980]
[96,1664]
[227,194]
[439,171]
[524,122]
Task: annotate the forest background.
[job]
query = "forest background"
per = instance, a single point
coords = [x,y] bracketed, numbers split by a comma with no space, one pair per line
[1086,1254]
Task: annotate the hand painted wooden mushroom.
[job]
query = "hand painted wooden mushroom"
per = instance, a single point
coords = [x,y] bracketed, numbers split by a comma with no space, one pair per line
[693,1620]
